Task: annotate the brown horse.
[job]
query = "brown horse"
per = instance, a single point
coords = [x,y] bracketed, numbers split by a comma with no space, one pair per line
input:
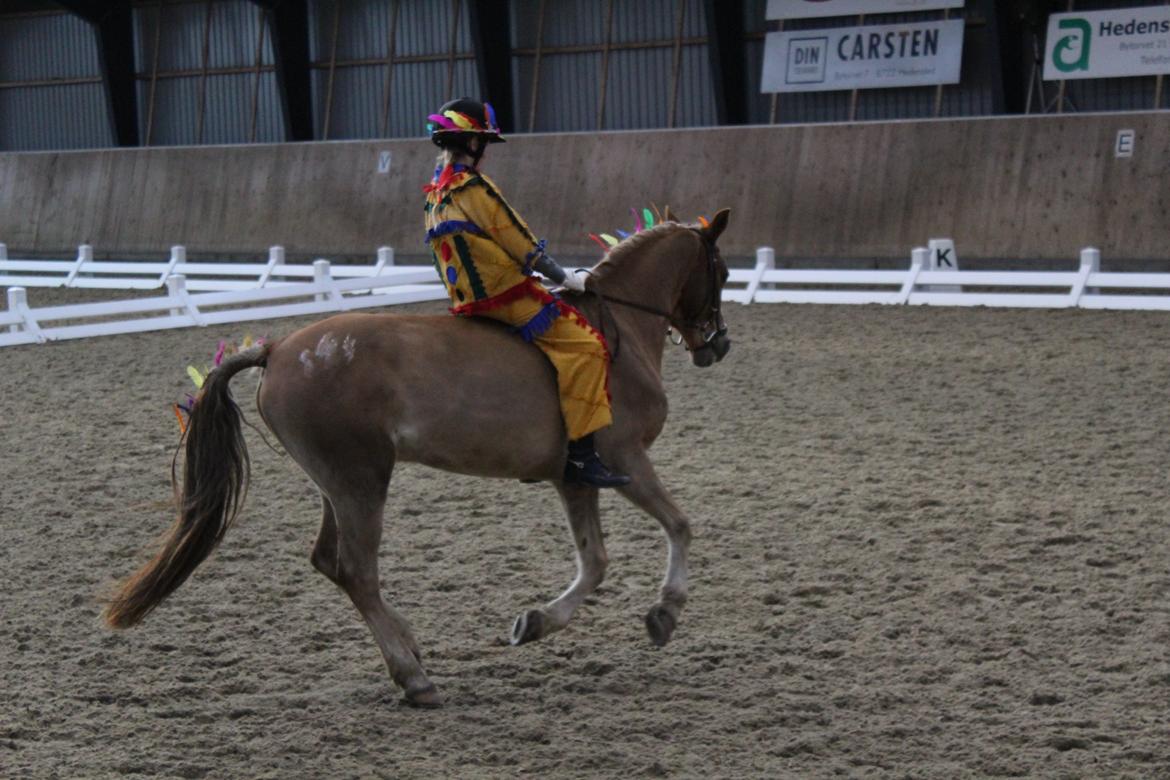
[352,395]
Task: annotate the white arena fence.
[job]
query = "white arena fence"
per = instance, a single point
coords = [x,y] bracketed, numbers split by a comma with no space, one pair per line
[241,292]
[85,272]
[1086,288]
[270,291]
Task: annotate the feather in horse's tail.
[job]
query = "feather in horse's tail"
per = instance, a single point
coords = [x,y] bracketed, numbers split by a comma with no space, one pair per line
[215,478]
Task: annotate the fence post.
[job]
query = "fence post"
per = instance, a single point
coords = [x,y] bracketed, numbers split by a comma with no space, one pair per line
[175,284]
[765,261]
[1090,264]
[15,298]
[84,255]
[919,259]
[275,258]
[177,291]
[321,277]
[178,255]
[385,258]
[942,252]
[18,302]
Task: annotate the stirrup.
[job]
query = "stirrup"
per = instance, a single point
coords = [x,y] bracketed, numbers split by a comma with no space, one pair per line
[591,471]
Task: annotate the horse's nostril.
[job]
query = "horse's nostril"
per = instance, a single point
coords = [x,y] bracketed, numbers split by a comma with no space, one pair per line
[721,346]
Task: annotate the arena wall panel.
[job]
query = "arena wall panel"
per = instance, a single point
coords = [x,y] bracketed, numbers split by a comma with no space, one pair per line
[1017,188]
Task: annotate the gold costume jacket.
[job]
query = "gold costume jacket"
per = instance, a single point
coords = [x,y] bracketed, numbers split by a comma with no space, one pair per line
[481,247]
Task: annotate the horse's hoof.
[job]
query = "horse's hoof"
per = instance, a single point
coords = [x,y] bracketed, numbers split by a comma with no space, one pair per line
[660,625]
[528,627]
[427,697]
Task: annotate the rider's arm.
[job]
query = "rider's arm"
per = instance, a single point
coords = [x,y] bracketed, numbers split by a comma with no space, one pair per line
[486,207]
[550,268]
[483,203]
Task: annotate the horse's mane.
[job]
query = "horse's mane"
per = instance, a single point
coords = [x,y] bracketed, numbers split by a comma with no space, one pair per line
[626,246]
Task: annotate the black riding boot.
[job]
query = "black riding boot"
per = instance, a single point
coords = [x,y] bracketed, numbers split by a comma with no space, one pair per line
[585,468]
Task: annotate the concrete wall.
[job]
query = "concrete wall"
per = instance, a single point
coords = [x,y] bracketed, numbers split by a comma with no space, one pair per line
[1038,188]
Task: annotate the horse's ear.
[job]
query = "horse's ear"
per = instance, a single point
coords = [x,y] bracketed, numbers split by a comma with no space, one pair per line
[718,225]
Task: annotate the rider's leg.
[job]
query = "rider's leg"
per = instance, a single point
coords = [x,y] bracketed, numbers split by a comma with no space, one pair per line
[584,466]
[581,359]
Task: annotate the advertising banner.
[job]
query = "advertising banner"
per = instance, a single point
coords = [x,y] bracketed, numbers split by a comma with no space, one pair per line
[1104,44]
[811,9]
[893,55]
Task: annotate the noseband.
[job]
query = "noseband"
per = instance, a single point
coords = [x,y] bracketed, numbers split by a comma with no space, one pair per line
[713,329]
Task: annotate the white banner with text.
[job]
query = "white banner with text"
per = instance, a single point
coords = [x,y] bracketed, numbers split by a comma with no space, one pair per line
[895,55]
[1105,44]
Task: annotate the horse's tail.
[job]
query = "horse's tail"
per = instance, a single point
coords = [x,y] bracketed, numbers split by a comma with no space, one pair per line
[215,478]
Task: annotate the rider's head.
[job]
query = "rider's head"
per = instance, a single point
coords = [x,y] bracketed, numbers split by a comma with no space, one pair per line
[458,123]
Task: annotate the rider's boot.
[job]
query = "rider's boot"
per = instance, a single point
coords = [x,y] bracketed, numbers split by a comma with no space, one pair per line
[584,467]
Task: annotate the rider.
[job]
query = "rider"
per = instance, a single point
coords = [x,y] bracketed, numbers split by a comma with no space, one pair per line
[485,254]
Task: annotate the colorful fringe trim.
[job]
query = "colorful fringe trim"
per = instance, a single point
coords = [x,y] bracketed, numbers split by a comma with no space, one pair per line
[540,323]
[571,311]
[553,307]
[444,177]
[532,257]
[529,288]
[453,226]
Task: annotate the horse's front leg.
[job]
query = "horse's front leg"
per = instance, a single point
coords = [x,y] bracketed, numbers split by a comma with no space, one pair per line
[647,493]
[581,507]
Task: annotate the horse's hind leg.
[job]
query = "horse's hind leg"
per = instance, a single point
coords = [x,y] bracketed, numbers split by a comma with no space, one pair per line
[584,516]
[324,557]
[350,534]
[647,493]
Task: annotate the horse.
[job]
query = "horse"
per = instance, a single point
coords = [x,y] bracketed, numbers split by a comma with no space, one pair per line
[350,396]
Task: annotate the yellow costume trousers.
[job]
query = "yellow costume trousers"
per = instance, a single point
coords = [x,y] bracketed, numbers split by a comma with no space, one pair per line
[577,352]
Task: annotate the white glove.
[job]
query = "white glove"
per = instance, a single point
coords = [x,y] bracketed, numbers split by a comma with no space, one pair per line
[575,280]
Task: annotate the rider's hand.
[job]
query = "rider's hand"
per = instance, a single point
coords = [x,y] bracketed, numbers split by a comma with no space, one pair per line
[575,280]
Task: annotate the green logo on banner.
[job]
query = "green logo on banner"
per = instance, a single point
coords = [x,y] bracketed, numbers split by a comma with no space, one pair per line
[1072,51]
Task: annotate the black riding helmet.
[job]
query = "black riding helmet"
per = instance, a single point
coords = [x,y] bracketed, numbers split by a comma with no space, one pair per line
[458,121]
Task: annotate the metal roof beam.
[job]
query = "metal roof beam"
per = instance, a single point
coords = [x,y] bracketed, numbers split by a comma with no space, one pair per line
[113,23]
[492,40]
[288,27]
[728,57]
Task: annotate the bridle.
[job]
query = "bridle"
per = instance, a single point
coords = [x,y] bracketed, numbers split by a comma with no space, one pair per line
[712,329]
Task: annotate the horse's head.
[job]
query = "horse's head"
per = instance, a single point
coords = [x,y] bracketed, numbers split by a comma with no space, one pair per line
[673,271]
[697,315]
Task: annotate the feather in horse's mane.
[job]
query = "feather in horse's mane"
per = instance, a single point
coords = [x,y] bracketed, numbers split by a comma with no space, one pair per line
[627,245]
[644,222]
